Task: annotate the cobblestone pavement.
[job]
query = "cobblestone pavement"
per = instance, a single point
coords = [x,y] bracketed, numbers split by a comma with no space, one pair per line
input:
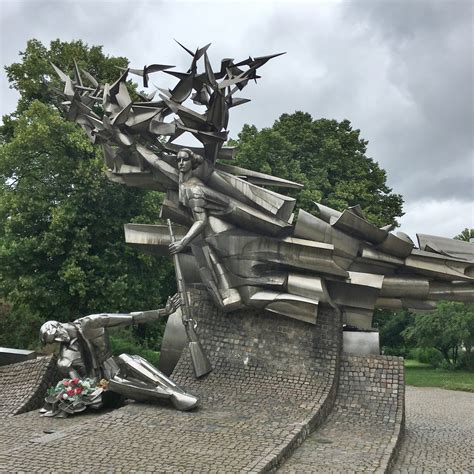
[362,431]
[439,435]
[19,431]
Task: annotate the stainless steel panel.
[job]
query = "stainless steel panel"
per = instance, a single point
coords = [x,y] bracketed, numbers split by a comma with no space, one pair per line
[360,343]
[173,343]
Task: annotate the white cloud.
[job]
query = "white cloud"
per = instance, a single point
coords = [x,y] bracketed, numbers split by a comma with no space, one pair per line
[444,218]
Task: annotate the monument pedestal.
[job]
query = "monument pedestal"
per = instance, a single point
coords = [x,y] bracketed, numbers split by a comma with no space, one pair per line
[282,396]
[289,384]
[274,381]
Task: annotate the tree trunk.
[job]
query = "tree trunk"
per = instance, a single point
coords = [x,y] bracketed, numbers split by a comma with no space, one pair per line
[445,353]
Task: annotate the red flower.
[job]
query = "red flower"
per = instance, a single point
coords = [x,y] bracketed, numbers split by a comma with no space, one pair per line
[65,383]
[78,390]
[75,381]
[70,393]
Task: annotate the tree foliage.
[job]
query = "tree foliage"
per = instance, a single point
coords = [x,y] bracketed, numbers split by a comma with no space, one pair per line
[465,235]
[62,249]
[391,325]
[449,329]
[328,157]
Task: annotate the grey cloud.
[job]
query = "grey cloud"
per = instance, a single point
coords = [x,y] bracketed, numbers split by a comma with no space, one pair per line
[430,48]
[403,20]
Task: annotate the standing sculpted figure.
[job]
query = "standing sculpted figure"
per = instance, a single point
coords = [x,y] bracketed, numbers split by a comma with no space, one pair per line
[206,206]
[85,352]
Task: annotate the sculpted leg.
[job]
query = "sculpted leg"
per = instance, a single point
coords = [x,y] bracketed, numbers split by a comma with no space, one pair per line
[140,380]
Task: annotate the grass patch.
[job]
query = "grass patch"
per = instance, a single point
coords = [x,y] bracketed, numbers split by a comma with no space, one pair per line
[422,375]
[415,364]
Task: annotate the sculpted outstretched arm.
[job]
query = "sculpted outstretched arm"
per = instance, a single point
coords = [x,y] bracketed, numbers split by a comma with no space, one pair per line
[140,317]
[105,320]
[126,319]
[173,303]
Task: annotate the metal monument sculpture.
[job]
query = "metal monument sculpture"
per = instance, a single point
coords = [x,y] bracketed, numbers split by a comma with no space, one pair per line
[85,353]
[239,240]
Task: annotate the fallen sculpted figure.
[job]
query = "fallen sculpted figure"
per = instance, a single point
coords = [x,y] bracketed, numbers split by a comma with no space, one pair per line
[85,357]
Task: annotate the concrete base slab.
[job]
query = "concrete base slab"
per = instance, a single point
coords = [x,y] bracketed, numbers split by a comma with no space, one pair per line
[360,343]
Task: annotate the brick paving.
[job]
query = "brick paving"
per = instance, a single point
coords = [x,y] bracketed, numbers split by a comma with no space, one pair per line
[361,433]
[439,434]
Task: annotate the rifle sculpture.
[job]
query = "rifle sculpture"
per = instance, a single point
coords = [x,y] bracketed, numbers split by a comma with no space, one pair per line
[201,364]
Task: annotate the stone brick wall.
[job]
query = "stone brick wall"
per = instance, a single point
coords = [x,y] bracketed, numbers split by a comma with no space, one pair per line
[23,385]
[244,343]
[373,390]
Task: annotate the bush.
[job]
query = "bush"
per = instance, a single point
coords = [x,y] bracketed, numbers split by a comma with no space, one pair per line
[466,361]
[391,326]
[18,327]
[400,351]
[427,355]
[150,355]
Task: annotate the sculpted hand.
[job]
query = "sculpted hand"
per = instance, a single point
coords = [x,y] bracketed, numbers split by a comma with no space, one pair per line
[173,303]
[176,247]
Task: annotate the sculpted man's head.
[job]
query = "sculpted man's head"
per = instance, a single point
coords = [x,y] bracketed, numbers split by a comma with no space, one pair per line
[53,331]
[187,160]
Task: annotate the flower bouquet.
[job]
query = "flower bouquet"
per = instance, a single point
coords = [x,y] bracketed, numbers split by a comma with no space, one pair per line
[71,396]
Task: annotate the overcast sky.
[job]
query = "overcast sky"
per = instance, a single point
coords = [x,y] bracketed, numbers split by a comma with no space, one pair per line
[400,71]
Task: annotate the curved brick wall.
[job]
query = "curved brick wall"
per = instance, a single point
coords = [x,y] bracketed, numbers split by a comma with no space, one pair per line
[363,432]
[274,380]
[23,385]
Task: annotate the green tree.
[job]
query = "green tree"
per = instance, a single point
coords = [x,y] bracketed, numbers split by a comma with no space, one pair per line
[449,329]
[62,249]
[328,157]
[465,235]
[391,325]
[28,76]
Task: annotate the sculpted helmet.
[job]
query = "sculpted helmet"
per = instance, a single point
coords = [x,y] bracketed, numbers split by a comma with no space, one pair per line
[53,331]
